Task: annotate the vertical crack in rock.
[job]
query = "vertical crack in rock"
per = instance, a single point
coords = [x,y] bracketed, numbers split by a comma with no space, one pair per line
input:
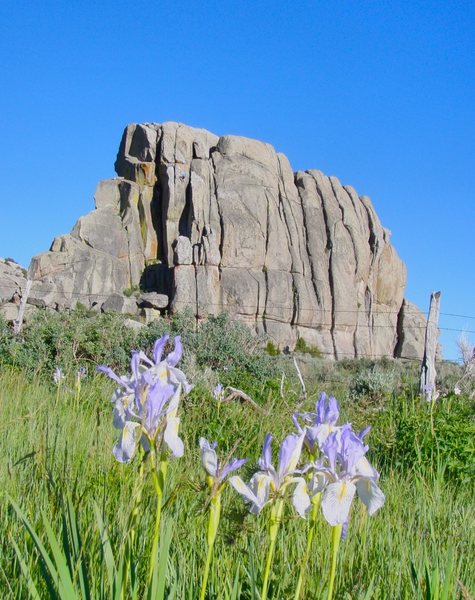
[373,242]
[373,247]
[329,247]
[265,266]
[345,223]
[160,204]
[289,221]
[184,223]
[399,332]
[352,223]
[292,255]
[220,212]
[298,185]
[124,207]
[373,238]
[369,317]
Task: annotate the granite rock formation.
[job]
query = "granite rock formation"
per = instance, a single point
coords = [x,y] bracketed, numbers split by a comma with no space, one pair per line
[223,223]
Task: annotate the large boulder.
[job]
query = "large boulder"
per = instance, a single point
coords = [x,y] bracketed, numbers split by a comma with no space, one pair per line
[411,332]
[12,281]
[223,223]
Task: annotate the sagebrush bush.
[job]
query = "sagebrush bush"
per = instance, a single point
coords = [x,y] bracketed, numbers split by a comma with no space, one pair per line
[373,384]
[219,343]
[69,339]
[448,375]
[80,337]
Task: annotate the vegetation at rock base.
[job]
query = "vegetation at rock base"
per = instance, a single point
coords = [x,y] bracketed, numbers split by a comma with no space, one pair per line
[58,469]
[301,346]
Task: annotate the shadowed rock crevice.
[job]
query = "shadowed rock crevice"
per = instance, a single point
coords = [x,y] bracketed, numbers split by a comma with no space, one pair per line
[222,223]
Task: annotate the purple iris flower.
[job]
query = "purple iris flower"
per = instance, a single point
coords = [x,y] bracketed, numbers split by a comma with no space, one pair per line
[218,392]
[348,473]
[327,410]
[268,481]
[58,376]
[82,372]
[146,403]
[217,472]
[320,423]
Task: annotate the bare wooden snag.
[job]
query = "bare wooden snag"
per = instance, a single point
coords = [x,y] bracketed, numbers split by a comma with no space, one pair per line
[302,382]
[428,372]
[234,394]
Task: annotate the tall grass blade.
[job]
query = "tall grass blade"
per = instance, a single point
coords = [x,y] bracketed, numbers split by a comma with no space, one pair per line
[106,547]
[414,577]
[236,591]
[65,583]
[449,561]
[32,591]
[157,588]
[369,591]
[428,580]
[172,592]
[49,572]
[77,549]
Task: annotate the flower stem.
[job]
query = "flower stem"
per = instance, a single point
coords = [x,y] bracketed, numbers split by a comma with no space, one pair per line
[137,501]
[214,514]
[311,533]
[336,536]
[78,391]
[158,478]
[130,540]
[275,520]
[58,392]
[432,403]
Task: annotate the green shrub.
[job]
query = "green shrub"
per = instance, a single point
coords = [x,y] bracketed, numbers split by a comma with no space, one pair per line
[373,384]
[131,291]
[226,345]
[448,376]
[6,339]
[301,346]
[408,435]
[70,339]
[272,349]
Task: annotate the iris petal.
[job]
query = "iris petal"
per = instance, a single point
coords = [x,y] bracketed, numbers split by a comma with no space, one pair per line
[243,489]
[336,502]
[260,484]
[234,465]
[370,494]
[332,411]
[123,382]
[265,462]
[158,348]
[171,439]
[174,357]
[127,444]
[300,498]
[289,454]
[208,457]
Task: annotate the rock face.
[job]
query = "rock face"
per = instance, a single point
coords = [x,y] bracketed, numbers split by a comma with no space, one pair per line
[411,332]
[224,224]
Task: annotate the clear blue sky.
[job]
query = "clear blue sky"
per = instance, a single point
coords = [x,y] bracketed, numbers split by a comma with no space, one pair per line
[378,93]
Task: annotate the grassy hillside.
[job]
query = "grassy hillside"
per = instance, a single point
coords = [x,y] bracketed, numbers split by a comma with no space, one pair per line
[58,469]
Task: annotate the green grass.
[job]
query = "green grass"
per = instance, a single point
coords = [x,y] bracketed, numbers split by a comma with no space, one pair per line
[55,446]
